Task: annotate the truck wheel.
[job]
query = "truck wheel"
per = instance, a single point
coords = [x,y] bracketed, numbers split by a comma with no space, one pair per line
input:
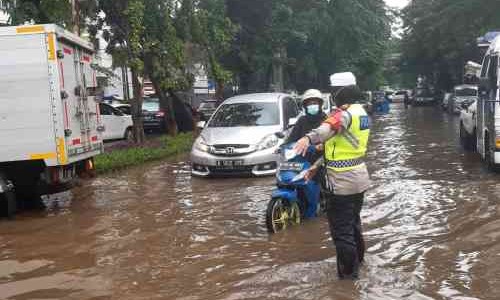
[10,203]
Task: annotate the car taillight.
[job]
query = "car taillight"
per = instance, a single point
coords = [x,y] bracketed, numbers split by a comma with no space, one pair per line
[160,114]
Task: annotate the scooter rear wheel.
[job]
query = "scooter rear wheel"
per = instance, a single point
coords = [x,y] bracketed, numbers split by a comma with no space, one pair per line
[281,213]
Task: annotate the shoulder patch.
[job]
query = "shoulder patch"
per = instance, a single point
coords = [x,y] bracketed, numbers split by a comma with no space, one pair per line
[364,122]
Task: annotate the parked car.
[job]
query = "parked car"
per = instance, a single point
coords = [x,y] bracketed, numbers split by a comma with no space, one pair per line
[468,126]
[153,116]
[207,109]
[446,102]
[399,96]
[241,136]
[124,108]
[117,125]
[423,96]
[464,94]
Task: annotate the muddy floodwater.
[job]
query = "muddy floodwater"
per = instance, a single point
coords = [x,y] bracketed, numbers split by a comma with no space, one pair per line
[431,220]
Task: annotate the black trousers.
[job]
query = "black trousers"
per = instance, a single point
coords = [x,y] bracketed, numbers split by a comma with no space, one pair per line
[345,227]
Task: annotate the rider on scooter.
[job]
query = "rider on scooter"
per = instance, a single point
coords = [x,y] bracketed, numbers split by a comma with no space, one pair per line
[312,102]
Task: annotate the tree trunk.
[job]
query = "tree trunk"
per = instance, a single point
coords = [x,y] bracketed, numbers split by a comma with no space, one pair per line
[279,58]
[136,105]
[166,106]
[183,115]
[219,90]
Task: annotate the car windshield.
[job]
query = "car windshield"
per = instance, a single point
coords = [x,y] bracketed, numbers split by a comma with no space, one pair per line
[246,114]
[151,106]
[465,92]
[207,105]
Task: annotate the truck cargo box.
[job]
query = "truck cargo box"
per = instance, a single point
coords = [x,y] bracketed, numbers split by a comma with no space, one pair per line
[47,96]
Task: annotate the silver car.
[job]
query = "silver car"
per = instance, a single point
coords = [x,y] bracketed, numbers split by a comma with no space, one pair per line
[240,137]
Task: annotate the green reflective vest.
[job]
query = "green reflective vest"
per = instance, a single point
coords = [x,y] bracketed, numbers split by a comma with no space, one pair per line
[345,151]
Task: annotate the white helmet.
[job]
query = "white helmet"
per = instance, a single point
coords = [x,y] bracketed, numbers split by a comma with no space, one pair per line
[342,79]
[312,94]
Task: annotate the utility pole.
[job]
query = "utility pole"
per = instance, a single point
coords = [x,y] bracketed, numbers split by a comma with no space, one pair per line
[279,58]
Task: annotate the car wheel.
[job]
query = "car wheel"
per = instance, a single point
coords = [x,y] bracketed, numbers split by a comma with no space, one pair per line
[129,135]
[474,141]
[465,138]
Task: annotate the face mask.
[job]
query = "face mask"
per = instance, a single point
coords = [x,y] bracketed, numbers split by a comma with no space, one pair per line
[312,109]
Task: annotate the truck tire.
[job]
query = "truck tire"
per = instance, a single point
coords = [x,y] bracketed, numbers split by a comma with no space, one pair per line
[9,204]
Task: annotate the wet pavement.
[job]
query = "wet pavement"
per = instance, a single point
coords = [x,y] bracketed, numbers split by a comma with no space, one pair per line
[432,225]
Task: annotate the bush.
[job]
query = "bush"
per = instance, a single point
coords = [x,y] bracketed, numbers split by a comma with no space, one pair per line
[119,159]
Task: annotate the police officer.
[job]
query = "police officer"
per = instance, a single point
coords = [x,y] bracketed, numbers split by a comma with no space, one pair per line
[345,134]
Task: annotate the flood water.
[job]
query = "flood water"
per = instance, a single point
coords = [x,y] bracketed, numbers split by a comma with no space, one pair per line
[431,221]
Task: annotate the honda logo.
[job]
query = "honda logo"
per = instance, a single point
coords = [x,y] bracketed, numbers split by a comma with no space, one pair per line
[230,150]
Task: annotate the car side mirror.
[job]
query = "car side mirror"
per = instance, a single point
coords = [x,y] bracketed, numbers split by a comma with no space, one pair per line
[201,124]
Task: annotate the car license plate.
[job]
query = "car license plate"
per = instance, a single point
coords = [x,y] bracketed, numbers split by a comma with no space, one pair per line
[229,163]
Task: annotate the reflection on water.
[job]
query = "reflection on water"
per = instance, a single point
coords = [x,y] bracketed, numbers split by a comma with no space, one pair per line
[153,232]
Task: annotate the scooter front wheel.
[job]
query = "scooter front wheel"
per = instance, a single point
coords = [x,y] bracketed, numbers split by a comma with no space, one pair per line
[281,213]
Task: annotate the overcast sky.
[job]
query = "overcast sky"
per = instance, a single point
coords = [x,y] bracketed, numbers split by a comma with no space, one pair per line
[397,3]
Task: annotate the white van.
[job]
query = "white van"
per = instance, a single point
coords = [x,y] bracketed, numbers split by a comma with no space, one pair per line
[488,107]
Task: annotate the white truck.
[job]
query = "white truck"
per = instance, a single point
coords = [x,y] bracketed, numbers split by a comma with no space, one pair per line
[50,126]
[488,107]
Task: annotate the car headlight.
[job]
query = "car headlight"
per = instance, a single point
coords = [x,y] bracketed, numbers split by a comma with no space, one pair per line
[268,142]
[201,145]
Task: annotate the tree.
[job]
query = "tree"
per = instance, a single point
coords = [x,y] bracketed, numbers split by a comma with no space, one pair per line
[299,43]
[164,58]
[215,33]
[438,41]
[51,11]
[124,30]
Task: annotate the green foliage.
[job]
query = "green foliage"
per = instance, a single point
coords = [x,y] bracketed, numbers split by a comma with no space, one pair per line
[441,36]
[50,11]
[119,159]
[40,11]
[320,37]
[214,31]
[164,47]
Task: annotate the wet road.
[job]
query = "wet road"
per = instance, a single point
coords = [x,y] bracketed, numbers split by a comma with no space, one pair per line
[432,224]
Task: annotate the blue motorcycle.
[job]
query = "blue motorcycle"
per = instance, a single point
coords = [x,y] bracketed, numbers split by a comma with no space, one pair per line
[295,198]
